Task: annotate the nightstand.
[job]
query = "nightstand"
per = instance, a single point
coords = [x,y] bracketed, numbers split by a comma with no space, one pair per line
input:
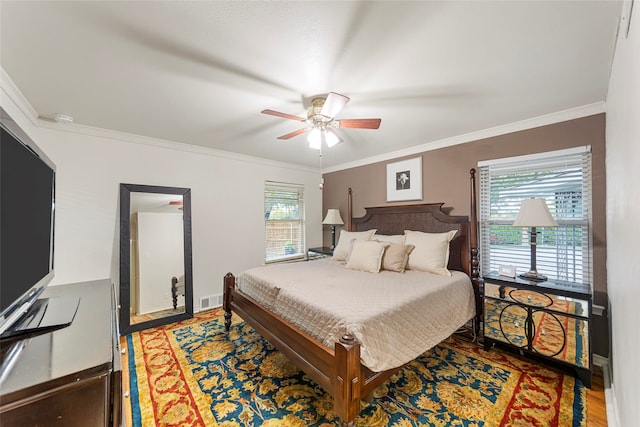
[550,320]
[319,253]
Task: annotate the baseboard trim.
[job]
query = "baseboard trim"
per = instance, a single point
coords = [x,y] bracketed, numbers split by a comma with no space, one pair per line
[609,393]
[600,361]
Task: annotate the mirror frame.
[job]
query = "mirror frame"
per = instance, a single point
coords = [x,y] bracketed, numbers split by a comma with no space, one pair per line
[125,257]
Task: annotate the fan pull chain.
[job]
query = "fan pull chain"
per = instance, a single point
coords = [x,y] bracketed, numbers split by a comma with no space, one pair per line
[321,186]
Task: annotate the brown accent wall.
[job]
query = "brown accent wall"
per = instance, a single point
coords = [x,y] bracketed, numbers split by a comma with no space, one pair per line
[445,177]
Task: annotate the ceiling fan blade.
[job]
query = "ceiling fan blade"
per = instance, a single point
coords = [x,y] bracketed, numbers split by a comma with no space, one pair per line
[292,134]
[360,123]
[333,104]
[283,115]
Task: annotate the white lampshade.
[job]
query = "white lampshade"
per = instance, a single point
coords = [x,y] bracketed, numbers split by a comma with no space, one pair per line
[315,138]
[534,213]
[333,217]
[331,138]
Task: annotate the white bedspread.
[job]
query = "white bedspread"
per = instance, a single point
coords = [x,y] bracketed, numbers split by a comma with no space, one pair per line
[395,316]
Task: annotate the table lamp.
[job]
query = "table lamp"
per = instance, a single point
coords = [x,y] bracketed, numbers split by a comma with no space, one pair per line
[534,213]
[333,219]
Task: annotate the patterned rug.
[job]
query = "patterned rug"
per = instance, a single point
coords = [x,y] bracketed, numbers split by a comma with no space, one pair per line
[193,374]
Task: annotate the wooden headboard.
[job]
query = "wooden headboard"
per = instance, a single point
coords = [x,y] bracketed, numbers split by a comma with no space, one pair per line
[425,217]
[429,217]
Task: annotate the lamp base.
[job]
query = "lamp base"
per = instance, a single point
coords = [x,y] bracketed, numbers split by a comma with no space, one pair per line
[333,237]
[533,276]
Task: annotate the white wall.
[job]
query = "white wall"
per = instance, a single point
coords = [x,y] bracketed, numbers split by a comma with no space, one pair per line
[226,196]
[161,257]
[623,234]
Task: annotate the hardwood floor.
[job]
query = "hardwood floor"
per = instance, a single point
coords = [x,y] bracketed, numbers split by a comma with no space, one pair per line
[596,405]
[126,401]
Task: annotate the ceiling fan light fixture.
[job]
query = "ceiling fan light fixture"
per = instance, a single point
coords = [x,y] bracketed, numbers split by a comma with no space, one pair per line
[321,121]
[315,139]
[331,138]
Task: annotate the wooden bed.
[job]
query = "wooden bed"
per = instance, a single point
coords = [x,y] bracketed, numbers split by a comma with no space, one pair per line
[177,289]
[339,370]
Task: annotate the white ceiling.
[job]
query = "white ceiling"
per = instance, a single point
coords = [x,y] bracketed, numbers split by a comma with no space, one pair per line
[200,72]
[154,202]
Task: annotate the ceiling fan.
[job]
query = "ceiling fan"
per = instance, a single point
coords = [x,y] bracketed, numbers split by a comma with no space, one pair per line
[178,203]
[321,120]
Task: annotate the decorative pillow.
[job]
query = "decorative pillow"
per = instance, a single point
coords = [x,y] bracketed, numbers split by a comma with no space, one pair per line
[396,256]
[431,251]
[395,238]
[341,251]
[366,255]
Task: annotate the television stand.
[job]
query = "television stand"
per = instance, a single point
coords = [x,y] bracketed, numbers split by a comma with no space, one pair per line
[45,315]
[71,376]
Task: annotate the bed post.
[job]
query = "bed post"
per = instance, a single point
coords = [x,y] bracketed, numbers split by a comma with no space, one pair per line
[228,286]
[349,209]
[475,272]
[346,381]
[174,291]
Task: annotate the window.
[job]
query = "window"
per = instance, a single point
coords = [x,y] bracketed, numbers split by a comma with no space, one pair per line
[284,221]
[563,179]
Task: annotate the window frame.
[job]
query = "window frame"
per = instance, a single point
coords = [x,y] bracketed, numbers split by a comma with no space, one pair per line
[279,251]
[558,259]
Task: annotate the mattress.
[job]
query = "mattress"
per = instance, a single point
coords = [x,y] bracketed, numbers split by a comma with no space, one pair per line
[395,316]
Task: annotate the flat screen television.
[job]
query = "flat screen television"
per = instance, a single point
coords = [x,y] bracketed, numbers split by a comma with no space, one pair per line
[27,217]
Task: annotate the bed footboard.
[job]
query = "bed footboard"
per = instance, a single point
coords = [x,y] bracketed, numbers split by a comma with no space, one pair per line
[338,370]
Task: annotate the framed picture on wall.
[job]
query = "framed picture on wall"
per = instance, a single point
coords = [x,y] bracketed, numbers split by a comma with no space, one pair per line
[404,180]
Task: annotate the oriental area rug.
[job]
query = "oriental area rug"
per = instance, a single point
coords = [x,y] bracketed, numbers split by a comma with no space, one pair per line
[192,373]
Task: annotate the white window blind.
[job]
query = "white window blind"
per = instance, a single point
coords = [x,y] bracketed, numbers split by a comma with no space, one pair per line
[284,221]
[563,179]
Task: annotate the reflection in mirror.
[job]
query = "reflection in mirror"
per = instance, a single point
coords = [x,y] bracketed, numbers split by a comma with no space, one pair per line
[155,256]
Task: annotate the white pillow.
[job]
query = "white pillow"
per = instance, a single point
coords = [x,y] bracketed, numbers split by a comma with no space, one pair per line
[395,238]
[431,252]
[396,256]
[341,251]
[366,255]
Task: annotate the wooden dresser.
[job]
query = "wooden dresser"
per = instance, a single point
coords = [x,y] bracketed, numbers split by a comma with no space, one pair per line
[71,376]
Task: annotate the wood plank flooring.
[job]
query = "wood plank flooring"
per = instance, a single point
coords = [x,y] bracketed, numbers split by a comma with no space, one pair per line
[596,405]
[126,402]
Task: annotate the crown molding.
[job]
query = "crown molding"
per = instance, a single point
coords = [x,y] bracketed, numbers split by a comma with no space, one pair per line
[15,96]
[10,90]
[548,119]
[169,145]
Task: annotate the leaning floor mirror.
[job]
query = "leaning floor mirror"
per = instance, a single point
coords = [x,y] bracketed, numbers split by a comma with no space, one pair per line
[156,286]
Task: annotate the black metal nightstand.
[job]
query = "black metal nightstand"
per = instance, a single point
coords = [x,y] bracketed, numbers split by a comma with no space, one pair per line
[550,320]
[318,253]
